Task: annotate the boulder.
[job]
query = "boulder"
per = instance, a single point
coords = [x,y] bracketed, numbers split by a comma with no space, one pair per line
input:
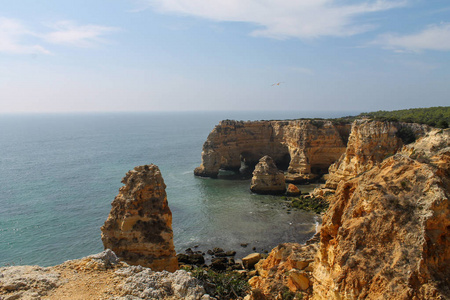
[139,226]
[250,260]
[267,179]
[292,190]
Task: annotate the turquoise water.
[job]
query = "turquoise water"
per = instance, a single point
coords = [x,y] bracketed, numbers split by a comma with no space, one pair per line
[59,174]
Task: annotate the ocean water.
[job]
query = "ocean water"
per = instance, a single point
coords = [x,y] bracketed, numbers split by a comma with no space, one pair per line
[60,172]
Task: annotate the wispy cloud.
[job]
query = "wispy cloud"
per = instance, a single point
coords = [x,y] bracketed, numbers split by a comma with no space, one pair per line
[283,19]
[433,37]
[12,38]
[16,38]
[70,33]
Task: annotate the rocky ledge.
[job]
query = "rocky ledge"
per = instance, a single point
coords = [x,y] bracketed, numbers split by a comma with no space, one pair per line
[99,276]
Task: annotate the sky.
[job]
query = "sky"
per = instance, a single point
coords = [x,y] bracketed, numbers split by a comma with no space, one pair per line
[238,55]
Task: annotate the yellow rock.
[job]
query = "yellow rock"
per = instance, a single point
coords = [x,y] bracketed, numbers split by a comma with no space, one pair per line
[250,260]
[298,281]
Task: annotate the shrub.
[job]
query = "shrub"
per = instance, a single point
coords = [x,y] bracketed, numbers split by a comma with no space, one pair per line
[222,285]
[406,135]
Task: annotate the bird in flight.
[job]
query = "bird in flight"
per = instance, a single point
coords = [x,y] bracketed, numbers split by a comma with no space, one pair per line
[278,83]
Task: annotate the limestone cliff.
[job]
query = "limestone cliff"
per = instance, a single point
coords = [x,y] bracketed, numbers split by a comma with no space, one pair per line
[386,234]
[369,143]
[267,179]
[139,226]
[305,148]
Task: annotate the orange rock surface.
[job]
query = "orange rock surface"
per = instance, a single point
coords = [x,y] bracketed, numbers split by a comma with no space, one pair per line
[139,226]
[304,147]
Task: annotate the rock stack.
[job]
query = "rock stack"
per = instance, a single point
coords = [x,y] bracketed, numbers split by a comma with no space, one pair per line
[139,226]
[267,179]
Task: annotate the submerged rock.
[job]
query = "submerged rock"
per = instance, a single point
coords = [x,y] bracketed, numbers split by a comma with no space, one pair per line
[267,179]
[139,226]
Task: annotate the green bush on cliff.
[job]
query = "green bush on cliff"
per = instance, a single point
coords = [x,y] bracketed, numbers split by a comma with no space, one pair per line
[222,285]
[433,116]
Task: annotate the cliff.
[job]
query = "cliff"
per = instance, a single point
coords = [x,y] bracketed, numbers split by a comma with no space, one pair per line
[385,236]
[305,148]
[387,230]
[139,226]
[369,143]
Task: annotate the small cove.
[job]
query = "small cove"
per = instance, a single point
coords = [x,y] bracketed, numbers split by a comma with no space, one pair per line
[59,174]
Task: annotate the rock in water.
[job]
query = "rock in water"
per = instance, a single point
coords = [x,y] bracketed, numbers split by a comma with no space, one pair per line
[292,190]
[139,226]
[267,179]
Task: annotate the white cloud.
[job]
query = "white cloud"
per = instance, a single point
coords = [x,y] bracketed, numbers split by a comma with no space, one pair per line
[12,36]
[69,33]
[434,37]
[16,38]
[283,18]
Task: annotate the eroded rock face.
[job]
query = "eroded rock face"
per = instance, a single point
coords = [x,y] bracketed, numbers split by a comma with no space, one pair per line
[139,226]
[304,148]
[369,143]
[386,233]
[289,266]
[267,179]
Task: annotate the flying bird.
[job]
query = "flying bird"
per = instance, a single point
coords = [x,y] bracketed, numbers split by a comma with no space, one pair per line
[278,83]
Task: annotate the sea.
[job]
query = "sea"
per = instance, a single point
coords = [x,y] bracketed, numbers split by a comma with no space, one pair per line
[59,174]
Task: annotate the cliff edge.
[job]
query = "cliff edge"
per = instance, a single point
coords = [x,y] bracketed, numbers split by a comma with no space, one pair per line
[386,234]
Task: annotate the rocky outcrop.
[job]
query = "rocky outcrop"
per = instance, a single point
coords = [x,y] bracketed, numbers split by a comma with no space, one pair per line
[267,179]
[305,148]
[386,234]
[139,226]
[27,282]
[369,143]
[99,276]
[288,267]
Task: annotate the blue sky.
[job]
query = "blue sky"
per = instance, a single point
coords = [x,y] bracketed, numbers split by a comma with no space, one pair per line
[191,55]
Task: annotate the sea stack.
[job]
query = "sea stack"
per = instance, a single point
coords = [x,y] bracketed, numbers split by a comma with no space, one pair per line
[267,179]
[139,226]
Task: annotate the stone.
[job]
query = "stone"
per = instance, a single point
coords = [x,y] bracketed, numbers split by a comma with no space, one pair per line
[292,190]
[250,260]
[267,179]
[298,281]
[219,263]
[27,282]
[217,250]
[139,226]
[191,259]
[230,253]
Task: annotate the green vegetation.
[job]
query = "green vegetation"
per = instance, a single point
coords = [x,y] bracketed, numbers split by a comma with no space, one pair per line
[286,294]
[316,205]
[433,116]
[406,135]
[222,285]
